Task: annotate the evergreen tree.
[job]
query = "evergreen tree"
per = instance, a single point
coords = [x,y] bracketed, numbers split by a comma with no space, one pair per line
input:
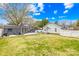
[40,24]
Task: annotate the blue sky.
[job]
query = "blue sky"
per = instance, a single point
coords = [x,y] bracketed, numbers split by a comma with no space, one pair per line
[59,11]
[53,11]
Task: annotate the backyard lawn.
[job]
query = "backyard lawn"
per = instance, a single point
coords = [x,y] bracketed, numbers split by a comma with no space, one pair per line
[39,45]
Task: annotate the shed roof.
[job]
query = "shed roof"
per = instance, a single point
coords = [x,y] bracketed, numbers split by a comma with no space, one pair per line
[52,24]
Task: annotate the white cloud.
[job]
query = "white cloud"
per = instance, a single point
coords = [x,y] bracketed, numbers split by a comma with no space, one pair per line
[47,18]
[37,19]
[50,18]
[41,6]
[62,16]
[53,17]
[68,5]
[55,11]
[66,11]
[32,8]
[36,13]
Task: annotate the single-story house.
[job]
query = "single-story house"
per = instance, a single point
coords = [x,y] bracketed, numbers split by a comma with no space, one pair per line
[52,28]
[15,30]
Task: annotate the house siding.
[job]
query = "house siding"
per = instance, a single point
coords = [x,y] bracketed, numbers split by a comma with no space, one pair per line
[52,28]
[16,30]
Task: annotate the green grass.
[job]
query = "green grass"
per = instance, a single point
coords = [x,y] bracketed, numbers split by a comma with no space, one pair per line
[39,45]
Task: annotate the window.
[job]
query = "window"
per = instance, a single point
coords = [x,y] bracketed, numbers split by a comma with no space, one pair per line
[9,30]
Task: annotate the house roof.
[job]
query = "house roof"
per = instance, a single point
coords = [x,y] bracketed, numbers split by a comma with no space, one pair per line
[10,26]
[13,26]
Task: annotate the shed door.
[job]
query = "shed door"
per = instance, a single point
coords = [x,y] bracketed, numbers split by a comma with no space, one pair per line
[55,29]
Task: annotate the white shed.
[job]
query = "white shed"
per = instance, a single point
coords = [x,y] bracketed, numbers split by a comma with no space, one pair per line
[52,28]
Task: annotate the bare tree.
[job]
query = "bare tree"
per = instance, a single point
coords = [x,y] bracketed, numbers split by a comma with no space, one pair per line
[16,13]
